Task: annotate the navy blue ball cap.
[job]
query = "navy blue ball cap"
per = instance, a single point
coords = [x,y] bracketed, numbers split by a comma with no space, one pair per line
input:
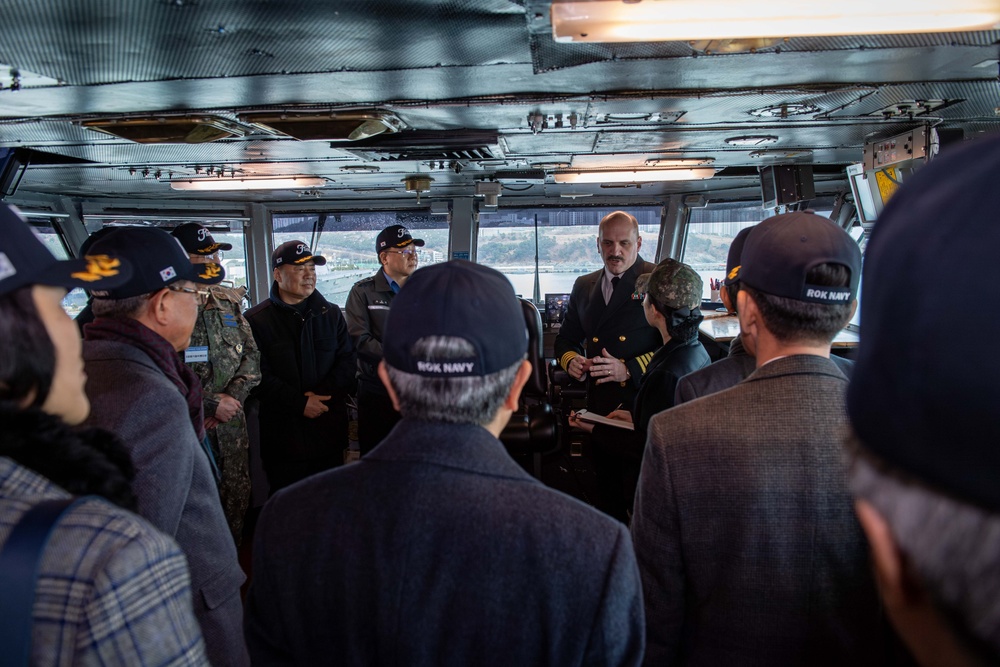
[780,251]
[157,258]
[294,253]
[24,260]
[923,396]
[395,236]
[463,300]
[198,240]
[734,258]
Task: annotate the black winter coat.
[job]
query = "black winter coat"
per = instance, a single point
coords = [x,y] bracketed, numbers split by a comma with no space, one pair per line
[300,353]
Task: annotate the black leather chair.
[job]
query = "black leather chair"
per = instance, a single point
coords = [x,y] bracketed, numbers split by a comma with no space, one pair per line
[532,430]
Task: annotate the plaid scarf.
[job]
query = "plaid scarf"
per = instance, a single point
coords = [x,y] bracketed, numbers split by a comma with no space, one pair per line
[132,332]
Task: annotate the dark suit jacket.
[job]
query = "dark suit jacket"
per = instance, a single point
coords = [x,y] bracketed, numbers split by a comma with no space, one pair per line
[620,327]
[728,372]
[463,560]
[745,532]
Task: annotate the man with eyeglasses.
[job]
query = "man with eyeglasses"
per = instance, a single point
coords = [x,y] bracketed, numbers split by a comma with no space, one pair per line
[367,311]
[307,370]
[140,388]
[224,355]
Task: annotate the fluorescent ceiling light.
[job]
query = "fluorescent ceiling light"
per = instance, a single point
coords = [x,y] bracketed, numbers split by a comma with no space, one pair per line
[285,183]
[685,20]
[636,176]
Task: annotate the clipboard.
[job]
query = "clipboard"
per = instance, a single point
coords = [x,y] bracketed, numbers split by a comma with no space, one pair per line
[598,419]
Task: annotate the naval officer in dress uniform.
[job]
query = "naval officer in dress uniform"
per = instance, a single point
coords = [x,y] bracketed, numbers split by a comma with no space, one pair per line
[605,339]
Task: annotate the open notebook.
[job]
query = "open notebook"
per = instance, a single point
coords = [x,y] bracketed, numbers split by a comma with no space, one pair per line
[598,419]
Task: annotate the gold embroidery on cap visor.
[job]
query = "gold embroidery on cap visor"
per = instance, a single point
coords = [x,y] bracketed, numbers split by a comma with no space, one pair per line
[98,267]
[735,272]
[303,260]
[211,271]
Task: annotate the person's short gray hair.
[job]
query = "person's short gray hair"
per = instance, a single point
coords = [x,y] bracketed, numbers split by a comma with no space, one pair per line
[456,400]
[119,309]
[953,547]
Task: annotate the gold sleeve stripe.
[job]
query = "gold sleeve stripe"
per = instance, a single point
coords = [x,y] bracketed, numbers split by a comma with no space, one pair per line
[644,360]
[566,358]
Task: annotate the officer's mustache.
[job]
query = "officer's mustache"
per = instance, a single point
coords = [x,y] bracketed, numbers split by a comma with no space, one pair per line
[618,257]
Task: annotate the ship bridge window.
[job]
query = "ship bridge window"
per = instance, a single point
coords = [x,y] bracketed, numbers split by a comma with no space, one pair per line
[49,233]
[564,240]
[347,241]
[710,232]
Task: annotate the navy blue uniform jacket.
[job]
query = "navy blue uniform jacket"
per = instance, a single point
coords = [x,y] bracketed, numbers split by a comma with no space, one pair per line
[620,327]
[438,549]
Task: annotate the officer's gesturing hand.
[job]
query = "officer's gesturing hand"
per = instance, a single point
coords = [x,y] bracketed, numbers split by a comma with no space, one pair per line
[578,367]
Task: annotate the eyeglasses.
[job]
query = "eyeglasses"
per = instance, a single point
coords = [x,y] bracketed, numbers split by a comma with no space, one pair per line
[200,294]
[405,251]
[213,258]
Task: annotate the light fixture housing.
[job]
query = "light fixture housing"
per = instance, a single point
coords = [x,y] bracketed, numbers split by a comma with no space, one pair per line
[418,183]
[269,183]
[686,20]
[346,125]
[664,162]
[634,176]
[752,141]
[490,191]
[166,129]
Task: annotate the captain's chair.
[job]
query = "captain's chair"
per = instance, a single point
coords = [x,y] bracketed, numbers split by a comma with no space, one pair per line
[532,429]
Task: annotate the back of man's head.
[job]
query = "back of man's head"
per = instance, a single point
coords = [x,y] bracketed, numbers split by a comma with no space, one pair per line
[922,402]
[453,343]
[802,271]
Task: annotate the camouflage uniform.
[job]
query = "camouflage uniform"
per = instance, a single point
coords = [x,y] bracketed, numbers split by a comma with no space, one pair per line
[233,368]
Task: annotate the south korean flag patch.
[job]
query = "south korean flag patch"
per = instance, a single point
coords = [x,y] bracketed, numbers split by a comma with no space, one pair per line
[168,274]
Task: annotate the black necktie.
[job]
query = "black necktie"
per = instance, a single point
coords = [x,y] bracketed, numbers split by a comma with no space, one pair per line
[614,283]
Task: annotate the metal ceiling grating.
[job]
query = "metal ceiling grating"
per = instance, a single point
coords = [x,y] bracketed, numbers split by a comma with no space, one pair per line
[125,40]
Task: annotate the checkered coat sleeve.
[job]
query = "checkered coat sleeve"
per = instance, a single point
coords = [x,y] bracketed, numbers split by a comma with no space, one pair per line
[112,590]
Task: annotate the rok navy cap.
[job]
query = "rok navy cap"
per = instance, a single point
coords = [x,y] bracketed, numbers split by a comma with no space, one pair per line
[294,253]
[781,251]
[463,300]
[198,240]
[24,260]
[157,258]
[734,258]
[923,396]
[395,236]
